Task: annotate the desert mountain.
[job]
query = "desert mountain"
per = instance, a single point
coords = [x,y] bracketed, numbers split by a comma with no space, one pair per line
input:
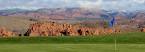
[18,20]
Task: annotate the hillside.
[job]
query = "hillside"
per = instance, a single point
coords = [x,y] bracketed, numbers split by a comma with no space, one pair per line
[16,24]
[18,20]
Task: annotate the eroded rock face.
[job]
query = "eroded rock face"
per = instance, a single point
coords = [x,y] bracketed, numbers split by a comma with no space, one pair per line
[6,33]
[56,29]
[143,30]
[52,29]
[84,31]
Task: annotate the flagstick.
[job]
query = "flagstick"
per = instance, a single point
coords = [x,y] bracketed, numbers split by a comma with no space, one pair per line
[115,41]
[115,44]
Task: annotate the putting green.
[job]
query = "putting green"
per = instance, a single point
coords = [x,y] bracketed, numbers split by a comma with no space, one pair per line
[71,47]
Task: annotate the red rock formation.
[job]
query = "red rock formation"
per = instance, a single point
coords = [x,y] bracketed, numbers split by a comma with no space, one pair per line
[52,29]
[6,33]
[143,30]
[56,29]
[84,31]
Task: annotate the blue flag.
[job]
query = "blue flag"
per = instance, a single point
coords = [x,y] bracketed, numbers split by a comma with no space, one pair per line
[112,22]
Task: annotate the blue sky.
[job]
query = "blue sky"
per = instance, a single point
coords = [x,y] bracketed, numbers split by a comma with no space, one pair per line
[88,4]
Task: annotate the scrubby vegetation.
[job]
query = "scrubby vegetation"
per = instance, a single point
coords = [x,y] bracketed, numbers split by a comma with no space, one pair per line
[123,38]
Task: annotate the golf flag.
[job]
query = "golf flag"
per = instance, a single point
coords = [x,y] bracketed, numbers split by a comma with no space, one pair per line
[112,22]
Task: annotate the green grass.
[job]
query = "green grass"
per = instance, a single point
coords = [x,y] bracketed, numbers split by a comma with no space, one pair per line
[126,42]
[124,38]
[71,48]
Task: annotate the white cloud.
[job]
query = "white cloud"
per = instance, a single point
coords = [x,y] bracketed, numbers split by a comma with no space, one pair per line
[66,1]
[90,5]
[139,1]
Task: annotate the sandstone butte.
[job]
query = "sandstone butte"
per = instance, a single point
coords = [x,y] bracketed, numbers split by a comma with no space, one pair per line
[6,33]
[57,29]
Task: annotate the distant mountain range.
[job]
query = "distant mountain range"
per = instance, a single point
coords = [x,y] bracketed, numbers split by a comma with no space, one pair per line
[72,13]
[18,20]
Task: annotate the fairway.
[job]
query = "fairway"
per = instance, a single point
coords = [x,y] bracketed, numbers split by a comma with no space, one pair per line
[71,48]
[126,42]
[123,38]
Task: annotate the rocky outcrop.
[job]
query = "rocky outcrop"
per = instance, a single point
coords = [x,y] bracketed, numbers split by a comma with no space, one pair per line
[6,33]
[85,31]
[52,29]
[57,29]
[143,30]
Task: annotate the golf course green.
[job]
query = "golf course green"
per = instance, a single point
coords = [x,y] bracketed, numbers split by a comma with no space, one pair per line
[125,42]
[71,48]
